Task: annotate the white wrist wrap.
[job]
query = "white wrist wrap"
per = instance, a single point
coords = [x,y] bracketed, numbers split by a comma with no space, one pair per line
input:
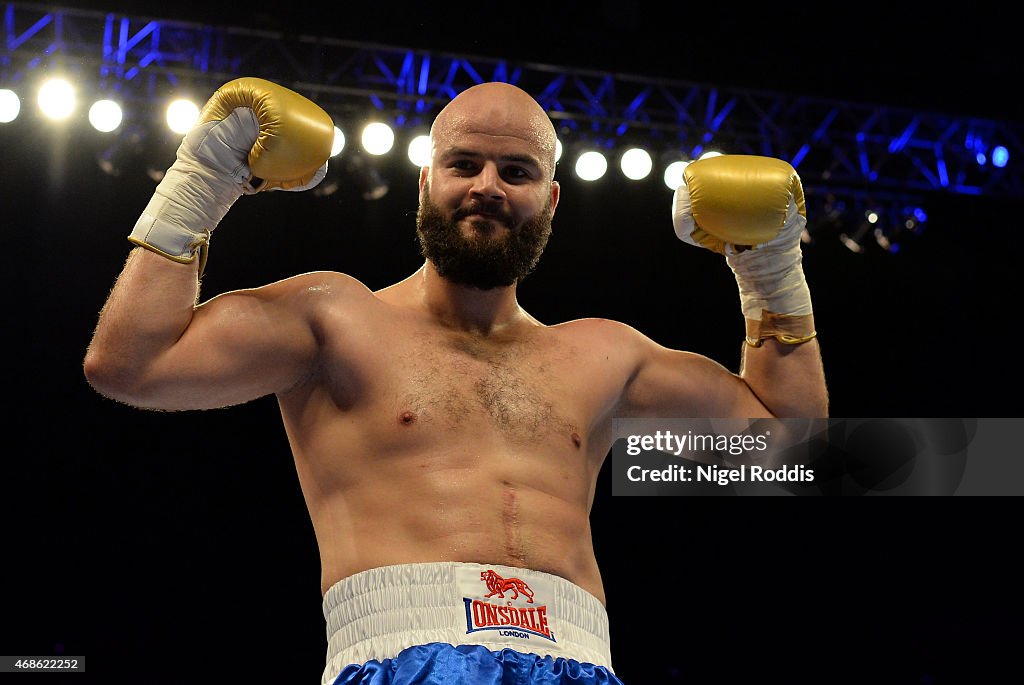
[208,176]
[770,276]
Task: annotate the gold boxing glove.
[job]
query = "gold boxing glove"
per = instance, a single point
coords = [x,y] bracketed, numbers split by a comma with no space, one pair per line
[252,135]
[751,209]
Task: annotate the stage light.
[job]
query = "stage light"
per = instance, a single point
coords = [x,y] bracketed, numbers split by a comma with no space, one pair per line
[674,174]
[855,242]
[105,115]
[419,151]
[339,142]
[182,116]
[10,106]
[591,165]
[558,150]
[636,164]
[883,240]
[378,138]
[57,99]
[1000,156]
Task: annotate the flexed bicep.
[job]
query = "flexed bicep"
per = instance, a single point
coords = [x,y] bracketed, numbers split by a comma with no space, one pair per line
[671,383]
[239,346]
[163,354]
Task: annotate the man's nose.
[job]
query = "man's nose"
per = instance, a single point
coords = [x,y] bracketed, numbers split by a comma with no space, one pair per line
[487,185]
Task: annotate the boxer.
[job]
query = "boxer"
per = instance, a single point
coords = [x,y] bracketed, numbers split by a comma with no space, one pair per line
[447,443]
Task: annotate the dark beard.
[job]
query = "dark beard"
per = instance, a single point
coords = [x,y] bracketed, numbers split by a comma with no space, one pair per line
[480,261]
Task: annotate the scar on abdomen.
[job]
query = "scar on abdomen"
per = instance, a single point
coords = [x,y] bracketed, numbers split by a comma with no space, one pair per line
[407,418]
[510,516]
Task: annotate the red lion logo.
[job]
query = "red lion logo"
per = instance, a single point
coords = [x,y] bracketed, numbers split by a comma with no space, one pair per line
[497,586]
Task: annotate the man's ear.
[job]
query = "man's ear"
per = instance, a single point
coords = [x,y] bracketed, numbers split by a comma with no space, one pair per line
[423,176]
[555,193]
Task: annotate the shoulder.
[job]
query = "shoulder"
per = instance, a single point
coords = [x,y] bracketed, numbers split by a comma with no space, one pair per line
[311,295]
[624,342]
[322,284]
[311,288]
[601,330]
[611,340]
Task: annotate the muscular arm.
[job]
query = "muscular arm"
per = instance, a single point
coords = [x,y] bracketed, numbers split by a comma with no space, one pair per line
[776,380]
[757,204]
[155,348]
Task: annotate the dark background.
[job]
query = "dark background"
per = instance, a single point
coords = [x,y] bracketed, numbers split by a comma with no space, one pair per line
[176,547]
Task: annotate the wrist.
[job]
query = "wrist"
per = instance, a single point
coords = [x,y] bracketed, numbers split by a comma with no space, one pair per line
[786,328]
[774,283]
[770,277]
[187,205]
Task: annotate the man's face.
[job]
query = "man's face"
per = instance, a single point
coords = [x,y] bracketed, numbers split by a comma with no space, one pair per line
[487,199]
[479,244]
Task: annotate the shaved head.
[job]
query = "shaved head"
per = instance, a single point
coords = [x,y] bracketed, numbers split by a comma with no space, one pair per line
[498,109]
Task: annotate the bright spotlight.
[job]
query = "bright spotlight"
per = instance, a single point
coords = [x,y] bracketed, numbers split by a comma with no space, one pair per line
[674,174]
[636,164]
[710,153]
[182,116]
[339,142]
[591,166]
[419,151]
[1000,156]
[558,150]
[10,106]
[57,99]
[378,138]
[105,115]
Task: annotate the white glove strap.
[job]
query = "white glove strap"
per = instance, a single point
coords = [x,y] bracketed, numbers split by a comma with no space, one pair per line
[771,276]
[208,176]
[682,215]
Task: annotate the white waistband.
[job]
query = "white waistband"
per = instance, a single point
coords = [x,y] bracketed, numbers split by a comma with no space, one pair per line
[375,614]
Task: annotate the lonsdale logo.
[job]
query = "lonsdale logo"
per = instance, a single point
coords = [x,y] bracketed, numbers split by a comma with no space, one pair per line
[508,619]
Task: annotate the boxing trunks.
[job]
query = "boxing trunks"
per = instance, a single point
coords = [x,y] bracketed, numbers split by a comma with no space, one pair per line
[455,623]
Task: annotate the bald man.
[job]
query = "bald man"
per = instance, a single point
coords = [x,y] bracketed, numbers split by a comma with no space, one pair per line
[447,443]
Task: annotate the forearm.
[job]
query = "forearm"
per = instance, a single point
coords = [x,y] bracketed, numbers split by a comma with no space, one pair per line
[148,310]
[788,379]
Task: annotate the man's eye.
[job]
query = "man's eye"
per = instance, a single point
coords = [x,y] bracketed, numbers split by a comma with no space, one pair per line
[463,165]
[516,172]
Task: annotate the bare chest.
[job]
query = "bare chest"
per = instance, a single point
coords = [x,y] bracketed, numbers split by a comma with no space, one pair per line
[519,389]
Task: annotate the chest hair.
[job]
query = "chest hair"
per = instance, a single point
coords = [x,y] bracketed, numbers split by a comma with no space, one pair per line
[462,378]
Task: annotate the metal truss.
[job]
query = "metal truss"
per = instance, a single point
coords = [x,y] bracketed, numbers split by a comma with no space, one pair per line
[869,152]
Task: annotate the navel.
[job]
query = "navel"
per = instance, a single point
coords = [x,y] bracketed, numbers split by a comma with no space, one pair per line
[576,439]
